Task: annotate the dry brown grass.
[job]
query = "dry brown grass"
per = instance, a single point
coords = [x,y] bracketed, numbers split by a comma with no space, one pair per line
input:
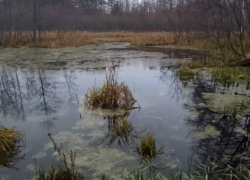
[11,144]
[8,138]
[81,38]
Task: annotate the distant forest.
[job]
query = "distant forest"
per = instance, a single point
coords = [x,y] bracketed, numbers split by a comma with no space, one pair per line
[127,15]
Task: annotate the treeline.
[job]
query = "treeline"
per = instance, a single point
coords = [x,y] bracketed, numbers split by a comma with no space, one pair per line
[227,19]
[99,15]
[131,15]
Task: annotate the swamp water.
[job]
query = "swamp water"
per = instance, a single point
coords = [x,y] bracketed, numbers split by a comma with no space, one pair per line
[42,92]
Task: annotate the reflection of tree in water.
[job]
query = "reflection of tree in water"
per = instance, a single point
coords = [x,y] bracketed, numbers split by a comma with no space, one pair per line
[220,136]
[120,129]
[22,93]
[72,100]
[48,89]
[217,137]
[11,95]
[169,75]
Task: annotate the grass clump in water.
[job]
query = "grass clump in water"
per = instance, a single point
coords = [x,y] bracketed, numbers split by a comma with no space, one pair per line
[8,138]
[111,95]
[148,149]
[186,73]
[231,75]
[11,145]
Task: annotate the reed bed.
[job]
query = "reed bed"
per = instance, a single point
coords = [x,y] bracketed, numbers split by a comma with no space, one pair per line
[53,39]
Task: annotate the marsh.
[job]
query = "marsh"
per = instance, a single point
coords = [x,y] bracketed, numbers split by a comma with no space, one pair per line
[42,91]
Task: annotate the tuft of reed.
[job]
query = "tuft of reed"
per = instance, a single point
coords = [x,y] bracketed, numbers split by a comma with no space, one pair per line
[111,95]
[8,138]
[11,144]
[148,149]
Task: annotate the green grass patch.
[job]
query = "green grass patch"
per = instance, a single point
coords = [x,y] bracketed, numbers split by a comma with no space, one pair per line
[187,74]
[148,149]
[231,74]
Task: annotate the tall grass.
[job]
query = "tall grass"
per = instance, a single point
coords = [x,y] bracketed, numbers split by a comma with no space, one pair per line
[111,95]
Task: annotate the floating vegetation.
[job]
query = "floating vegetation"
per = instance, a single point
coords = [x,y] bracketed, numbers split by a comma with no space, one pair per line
[231,74]
[11,145]
[148,149]
[186,73]
[111,95]
[62,171]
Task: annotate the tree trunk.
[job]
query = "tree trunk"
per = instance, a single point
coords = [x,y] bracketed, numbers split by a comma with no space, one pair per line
[34,25]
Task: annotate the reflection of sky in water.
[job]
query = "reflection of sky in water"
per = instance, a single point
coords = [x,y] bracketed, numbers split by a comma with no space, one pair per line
[50,103]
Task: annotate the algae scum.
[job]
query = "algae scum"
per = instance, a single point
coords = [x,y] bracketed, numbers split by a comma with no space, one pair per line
[42,93]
